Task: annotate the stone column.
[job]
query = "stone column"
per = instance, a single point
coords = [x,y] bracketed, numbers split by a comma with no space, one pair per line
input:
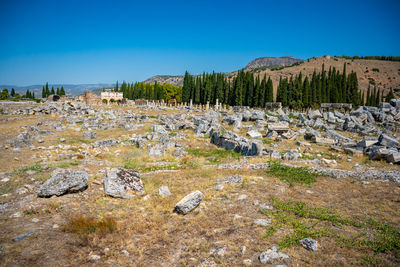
[216,104]
[191,103]
[208,105]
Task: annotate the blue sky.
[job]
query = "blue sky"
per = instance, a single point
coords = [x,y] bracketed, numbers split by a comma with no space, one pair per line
[104,41]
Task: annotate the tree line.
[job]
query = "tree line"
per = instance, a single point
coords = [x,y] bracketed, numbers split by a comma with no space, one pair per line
[246,89]
[242,90]
[387,58]
[5,94]
[46,92]
[322,87]
[140,90]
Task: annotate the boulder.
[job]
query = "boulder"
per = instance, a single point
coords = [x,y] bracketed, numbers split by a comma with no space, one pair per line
[189,202]
[310,244]
[164,191]
[122,183]
[271,254]
[64,181]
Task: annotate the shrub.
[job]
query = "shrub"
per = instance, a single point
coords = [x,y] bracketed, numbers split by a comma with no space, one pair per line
[292,175]
[83,225]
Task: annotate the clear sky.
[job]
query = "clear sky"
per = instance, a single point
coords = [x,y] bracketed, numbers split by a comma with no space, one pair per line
[104,41]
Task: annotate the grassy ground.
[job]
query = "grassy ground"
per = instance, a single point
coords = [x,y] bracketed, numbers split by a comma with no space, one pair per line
[356,224]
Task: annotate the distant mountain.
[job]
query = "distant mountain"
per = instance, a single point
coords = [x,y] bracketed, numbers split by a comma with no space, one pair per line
[264,62]
[70,89]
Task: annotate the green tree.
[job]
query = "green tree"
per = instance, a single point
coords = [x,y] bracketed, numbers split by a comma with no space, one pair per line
[62,91]
[12,92]
[4,94]
[390,95]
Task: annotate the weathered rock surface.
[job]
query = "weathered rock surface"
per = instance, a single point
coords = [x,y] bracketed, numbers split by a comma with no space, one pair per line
[122,183]
[310,244]
[63,182]
[189,202]
[271,254]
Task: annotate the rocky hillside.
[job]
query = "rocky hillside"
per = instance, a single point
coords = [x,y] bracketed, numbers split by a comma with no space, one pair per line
[383,74]
[264,62]
[175,80]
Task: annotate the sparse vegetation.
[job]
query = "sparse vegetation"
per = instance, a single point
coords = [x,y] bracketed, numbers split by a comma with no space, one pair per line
[292,175]
[84,225]
[307,222]
[214,155]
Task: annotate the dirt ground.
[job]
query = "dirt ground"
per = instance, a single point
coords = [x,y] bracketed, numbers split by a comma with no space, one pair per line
[147,231]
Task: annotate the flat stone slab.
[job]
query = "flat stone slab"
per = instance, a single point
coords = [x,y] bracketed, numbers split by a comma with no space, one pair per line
[122,183]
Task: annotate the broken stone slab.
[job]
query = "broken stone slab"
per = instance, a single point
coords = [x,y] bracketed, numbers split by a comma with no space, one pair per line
[271,254]
[388,141]
[254,134]
[64,181]
[310,244]
[393,157]
[335,135]
[122,183]
[314,114]
[377,153]
[323,141]
[278,127]
[353,151]
[366,143]
[231,180]
[189,202]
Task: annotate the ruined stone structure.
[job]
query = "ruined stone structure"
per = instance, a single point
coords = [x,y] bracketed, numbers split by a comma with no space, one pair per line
[90,98]
[108,97]
[273,105]
[337,106]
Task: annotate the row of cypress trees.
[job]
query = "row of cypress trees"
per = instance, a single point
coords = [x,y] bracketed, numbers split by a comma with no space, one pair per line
[296,92]
[46,91]
[243,90]
[323,87]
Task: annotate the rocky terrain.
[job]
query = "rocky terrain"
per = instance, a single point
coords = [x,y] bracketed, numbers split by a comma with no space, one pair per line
[168,186]
[271,61]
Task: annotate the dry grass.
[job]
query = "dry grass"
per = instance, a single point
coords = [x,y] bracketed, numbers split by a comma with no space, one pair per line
[152,234]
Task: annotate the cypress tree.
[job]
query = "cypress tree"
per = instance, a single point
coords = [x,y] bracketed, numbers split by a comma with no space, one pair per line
[12,92]
[390,95]
[43,92]
[270,91]
[263,90]
[58,91]
[52,91]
